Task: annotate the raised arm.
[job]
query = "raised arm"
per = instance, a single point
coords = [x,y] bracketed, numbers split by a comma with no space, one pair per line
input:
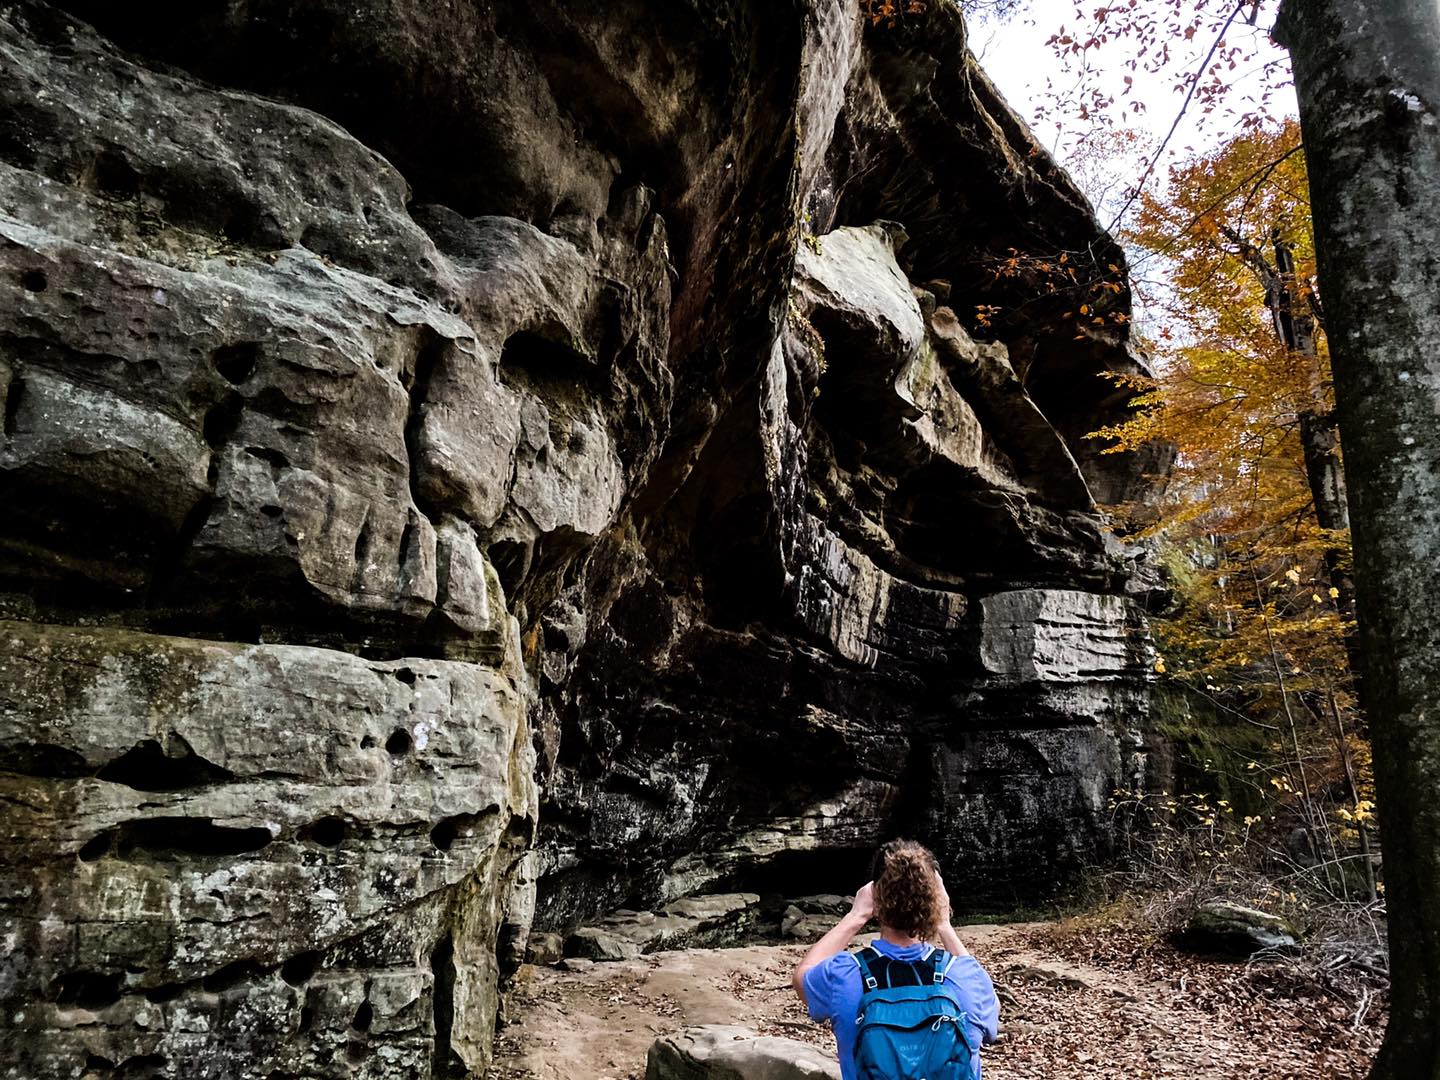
[838,938]
[949,939]
[971,981]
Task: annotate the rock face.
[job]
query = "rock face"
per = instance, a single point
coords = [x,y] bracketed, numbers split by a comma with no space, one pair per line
[218,838]
[469,469]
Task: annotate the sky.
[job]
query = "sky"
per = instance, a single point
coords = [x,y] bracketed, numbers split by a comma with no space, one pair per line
[1015,55]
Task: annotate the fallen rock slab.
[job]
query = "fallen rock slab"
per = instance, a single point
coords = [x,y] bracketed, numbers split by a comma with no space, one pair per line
[823,904]
[803,926]
[721,1052]
[716,919]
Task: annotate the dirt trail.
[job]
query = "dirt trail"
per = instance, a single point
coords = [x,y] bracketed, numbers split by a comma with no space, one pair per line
[1068,1010]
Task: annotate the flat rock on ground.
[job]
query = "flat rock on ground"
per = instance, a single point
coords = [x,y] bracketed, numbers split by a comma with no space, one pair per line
[1074,1004]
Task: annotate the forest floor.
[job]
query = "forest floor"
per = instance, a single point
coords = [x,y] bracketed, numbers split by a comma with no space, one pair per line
[1077,1001]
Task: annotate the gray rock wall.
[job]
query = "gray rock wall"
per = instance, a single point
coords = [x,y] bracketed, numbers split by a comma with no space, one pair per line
[473,468]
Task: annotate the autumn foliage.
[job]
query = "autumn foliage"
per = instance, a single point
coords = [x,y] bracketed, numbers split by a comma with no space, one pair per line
[1262,620]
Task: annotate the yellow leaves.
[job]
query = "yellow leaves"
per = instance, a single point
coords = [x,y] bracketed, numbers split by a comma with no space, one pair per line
[1160,667]
[1226,399]
[1364,811]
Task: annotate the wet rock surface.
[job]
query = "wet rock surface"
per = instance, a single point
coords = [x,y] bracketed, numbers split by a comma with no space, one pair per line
[468,470]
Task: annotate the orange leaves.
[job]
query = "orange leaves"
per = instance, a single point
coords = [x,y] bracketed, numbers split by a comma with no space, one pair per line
[1227,398]
[888,11]
[985,314]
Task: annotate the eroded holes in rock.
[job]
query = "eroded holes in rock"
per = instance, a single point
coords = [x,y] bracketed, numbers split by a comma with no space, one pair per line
[114,176]
[231,975]
[417,381]
[34,281]
[444,1061]
[277,461]
[300,968]
[97,847]
[140,1067]
[147,766]
[326,831]
[363,542]
[367,742]
[249,225]
[45,761]
[406,675]
[94,1062]
[535,360]
[444,833]
[168,836]
[221,421]
[158,995]
[364,1015]
[511,559]
[398,744]
[236,363]
[356,1052]
[87,989]
[458,827]
[168,568]
[307,1018]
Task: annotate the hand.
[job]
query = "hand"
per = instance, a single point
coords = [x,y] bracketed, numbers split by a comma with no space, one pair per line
[945,910]
[863,906]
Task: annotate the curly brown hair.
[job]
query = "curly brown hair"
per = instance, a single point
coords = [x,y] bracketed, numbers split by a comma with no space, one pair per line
[907,892]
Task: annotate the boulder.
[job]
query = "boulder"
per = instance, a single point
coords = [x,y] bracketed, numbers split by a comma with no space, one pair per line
[544,948]
[802,926]
[720,1052]
[1227,927]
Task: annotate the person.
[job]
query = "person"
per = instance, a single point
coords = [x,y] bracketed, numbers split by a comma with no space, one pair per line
[907,896]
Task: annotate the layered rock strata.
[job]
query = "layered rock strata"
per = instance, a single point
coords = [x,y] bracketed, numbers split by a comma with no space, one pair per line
[468,469]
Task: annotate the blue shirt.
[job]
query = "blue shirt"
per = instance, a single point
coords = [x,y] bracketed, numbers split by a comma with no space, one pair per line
[833,989]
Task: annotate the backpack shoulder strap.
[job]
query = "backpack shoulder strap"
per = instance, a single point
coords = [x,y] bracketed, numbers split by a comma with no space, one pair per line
[864,958]
[941,961]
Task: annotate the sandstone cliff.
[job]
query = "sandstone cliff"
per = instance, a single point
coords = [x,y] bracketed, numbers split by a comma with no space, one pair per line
[469,468]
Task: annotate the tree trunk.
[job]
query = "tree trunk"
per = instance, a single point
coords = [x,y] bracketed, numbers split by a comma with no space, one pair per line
[1368,76]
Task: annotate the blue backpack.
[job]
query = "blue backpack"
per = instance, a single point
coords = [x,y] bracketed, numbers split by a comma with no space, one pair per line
[909,1027]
